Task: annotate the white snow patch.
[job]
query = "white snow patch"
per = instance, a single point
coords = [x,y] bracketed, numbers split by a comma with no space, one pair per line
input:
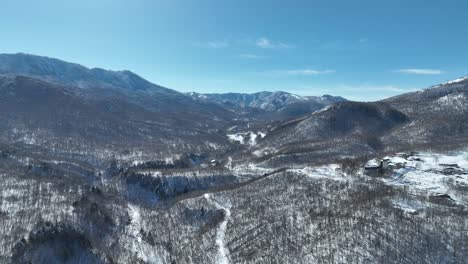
[456,81]
[456,101]
[298,97]
[145,251]
[213,145]
[330,171]
[264,151]
[153,173]
[252,139]
[245,138]
[326,108]
[236,137]
[135,216]
[373,163]
[424,172]
[137,162]
[250,168]
[450,82]
[407,207]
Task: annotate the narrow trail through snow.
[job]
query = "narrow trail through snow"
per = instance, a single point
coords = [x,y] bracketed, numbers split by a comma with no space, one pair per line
[135,242]
[223,252]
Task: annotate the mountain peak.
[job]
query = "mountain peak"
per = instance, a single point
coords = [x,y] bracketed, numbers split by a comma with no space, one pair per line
[73,74]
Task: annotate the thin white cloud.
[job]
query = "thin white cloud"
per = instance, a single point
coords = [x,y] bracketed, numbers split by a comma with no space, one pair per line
[296,73]
[421,71]
[215,44]
[218,44]
[266,43]
[251,56]
[307,72]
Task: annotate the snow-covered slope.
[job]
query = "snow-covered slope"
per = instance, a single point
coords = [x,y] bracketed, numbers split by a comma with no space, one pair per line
[72,74]
[430,174]
[337,130]
[456,81]
[138,174]
[268,101]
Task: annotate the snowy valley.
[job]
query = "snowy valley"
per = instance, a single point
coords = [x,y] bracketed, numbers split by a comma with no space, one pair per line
[101,166]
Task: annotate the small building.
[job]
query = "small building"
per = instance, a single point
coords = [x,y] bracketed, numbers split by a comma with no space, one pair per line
[451,169]
[376,167]
[214,162]
[414,158]
[442,198]
[449,165]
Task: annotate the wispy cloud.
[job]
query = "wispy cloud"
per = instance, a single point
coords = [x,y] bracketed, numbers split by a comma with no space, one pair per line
[251,56]
[421,71]
[301,72]
[294,73]
[215,44]
[309,72]
[266,43]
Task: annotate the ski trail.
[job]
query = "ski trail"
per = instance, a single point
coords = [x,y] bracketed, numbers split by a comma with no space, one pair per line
[144,251]
[223,252]
[135,226]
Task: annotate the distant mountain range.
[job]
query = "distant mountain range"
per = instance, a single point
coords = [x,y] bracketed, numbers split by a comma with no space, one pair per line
[65,106]
[50,102]
[268,101]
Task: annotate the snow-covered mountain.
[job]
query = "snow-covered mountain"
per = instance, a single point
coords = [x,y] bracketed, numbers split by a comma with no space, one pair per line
[435,117]
[268,101]
[101,166]
[76,75]
[341,129]
[49,103]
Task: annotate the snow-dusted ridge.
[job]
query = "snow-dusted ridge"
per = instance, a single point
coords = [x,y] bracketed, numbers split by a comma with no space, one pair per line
[268,101]
[458,80]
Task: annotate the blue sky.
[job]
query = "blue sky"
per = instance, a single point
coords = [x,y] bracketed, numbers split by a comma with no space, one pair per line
[361,49]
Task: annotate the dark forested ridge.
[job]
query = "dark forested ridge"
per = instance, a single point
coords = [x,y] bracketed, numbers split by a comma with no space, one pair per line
[102,166]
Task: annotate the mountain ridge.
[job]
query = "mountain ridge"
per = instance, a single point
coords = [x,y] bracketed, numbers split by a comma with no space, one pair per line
[265,100]
[435,118]
[177,115]
[69,73]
